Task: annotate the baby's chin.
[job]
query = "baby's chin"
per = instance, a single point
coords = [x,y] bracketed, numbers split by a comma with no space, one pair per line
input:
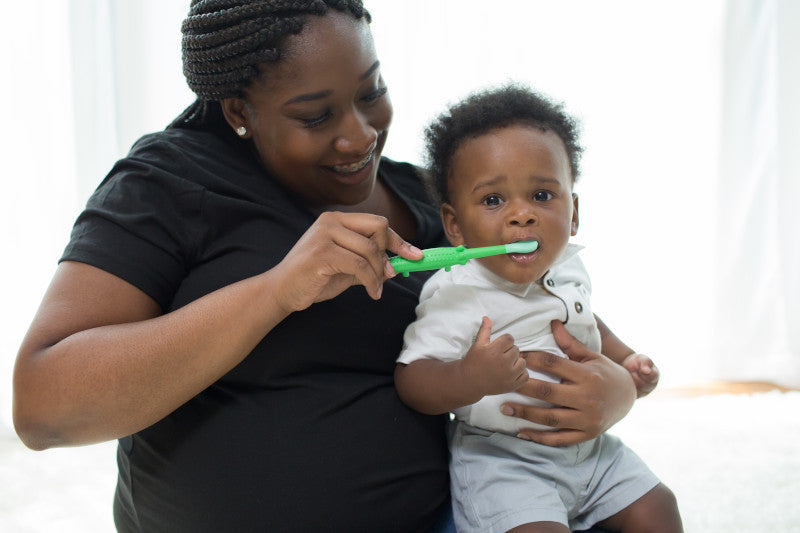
[516,272]
[523,279]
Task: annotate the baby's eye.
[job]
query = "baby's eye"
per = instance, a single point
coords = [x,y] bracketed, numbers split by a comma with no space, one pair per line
[542,196]
[492,200]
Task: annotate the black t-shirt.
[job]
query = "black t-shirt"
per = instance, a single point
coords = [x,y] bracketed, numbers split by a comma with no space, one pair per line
[307,433]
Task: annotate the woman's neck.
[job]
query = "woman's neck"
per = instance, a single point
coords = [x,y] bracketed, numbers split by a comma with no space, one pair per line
[384,202]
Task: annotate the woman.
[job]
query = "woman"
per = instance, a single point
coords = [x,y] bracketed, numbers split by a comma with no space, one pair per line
[206,311]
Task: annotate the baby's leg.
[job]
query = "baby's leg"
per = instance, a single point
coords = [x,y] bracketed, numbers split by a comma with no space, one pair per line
[540,527]
[655,512]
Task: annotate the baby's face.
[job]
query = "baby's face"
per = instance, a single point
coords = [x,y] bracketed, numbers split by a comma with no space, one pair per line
[512,184]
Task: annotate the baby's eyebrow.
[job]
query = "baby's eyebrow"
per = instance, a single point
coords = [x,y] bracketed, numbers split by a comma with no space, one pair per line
[491,182]
[542,179]
[494,181]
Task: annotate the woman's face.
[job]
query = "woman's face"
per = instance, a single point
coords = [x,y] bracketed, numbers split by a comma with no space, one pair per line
[319,117]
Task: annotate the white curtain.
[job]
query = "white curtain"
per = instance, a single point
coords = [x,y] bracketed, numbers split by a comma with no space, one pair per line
[82,80]
[691,174]
[756,333]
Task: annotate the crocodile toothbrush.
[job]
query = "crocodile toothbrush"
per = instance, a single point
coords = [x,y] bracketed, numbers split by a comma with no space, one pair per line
[447,256]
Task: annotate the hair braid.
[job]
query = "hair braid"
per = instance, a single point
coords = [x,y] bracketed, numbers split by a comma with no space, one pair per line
[226,41]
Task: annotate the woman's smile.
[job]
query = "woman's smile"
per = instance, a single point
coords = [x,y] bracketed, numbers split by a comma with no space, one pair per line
[354,167]
[354,173]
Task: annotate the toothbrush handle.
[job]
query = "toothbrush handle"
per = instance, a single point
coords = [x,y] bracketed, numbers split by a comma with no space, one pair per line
[444,257]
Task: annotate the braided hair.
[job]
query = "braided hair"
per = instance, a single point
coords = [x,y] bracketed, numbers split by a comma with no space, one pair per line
[488,110]
[225,42]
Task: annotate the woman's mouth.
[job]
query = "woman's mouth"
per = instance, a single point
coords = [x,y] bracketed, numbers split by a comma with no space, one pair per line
[353,167]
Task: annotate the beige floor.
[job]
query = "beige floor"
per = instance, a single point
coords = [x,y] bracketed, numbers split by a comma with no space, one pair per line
[720,387]
[728,450]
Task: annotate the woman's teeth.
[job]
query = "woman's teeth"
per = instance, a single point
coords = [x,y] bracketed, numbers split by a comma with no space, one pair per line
[355,167]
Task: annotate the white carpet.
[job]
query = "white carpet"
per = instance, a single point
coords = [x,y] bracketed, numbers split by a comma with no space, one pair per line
[732,460]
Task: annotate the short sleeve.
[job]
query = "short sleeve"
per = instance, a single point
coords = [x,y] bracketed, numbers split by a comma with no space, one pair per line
[448,318]
[140,225]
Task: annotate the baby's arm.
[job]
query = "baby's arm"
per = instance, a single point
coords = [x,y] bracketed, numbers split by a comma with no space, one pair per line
[644,372]
[434,387]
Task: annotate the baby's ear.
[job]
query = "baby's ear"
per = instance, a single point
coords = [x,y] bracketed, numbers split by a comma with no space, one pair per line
[450,224]
[575,217]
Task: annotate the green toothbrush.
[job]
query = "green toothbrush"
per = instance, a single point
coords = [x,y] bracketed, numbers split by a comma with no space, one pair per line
[447,256]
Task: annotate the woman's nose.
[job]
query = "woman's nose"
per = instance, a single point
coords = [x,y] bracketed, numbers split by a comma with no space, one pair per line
[356,135]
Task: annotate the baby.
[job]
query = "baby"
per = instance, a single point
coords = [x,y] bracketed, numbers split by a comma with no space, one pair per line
[503,164]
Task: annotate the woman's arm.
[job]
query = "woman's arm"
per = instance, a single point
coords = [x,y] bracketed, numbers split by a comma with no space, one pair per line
[100,361]
[594,393]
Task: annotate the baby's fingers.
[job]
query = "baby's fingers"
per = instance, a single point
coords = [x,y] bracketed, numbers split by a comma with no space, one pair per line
[521,370]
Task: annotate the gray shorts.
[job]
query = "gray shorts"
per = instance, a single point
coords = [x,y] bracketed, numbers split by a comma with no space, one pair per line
[500,482]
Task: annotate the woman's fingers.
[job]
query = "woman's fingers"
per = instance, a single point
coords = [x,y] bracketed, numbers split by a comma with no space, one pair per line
[591,394]
[564,437]
[366,237]
[396,244]
[567,372]
[370,236]
[542,390]
[569,426]
[566,421]
[340,250]
[575,350]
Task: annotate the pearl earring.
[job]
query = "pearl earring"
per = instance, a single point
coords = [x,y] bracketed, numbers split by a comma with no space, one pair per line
[241,131]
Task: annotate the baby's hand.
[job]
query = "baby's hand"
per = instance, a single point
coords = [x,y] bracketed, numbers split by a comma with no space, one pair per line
[644,372]
[494,367]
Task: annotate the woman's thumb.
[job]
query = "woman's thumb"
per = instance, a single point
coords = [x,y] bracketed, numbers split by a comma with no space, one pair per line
[574,349]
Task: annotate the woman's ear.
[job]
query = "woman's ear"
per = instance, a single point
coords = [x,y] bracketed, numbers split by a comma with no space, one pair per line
[450,224]
[235,113]
[575,218]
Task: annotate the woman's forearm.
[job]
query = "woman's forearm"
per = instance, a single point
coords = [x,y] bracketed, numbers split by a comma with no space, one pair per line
[109,381]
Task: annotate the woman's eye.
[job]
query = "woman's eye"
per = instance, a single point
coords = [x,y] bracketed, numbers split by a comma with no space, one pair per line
[492,200]
[374,95]
[542,196]
[315,121]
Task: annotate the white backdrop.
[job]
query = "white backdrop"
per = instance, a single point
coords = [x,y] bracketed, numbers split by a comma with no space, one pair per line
[690,126]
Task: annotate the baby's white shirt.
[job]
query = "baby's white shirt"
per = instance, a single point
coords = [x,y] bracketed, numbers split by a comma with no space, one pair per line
[453,303]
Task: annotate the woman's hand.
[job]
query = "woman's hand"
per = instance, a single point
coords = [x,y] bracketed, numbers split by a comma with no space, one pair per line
[339,250]
[594,394]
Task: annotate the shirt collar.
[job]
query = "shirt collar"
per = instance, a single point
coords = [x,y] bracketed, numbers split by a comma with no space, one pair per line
[521,289]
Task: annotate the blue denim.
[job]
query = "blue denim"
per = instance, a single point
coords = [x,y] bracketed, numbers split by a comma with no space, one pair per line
[445,523]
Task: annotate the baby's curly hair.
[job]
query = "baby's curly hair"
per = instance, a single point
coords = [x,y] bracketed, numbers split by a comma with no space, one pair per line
[488,110]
